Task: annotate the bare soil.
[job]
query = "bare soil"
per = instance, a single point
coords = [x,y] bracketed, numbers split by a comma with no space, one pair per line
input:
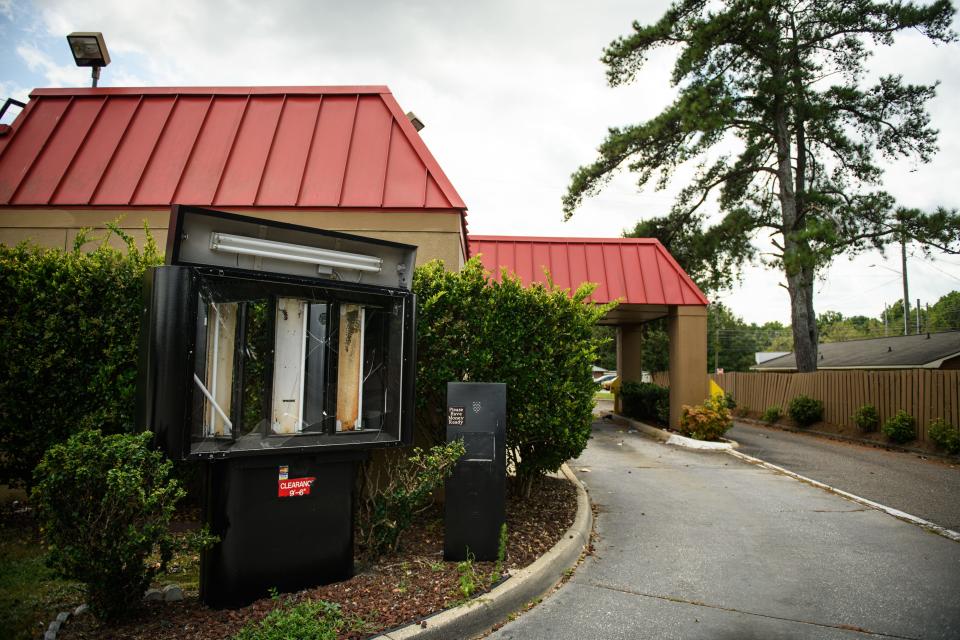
[399,589]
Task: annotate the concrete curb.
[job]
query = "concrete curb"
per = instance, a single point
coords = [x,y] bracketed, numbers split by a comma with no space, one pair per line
[896,513]
[674,438]
[479,615]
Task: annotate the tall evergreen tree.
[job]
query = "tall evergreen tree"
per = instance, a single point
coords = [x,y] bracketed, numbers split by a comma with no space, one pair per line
[779,83]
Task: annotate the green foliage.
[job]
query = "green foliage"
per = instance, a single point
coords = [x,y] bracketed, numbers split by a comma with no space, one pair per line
[104,504]
[468,579]
[866,418]
[308,620]
[944,435]
[606,337]
[771,415]
[708,421]
[497,571]
[537,340]
[900,428]
[781,85]
[645,401]
[805,411]
[394,505]
[69,327]
[729,401]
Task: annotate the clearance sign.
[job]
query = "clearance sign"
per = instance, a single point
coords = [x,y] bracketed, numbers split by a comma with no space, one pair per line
[292,487]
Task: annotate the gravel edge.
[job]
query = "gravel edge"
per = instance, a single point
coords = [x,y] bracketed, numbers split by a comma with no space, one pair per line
[478,616]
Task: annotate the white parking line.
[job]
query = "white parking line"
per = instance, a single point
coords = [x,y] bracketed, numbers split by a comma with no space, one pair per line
[896,513]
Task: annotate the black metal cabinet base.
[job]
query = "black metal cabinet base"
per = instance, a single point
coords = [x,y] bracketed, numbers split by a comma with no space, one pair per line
[287,542]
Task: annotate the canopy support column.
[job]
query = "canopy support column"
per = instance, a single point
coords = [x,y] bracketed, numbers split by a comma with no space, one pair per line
[687,330]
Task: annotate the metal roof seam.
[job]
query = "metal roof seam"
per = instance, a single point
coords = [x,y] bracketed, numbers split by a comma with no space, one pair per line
[386,164]
[153,149]
[273,141]
[113,154]
[233,145]
[193,148]
[33,161]
[346,161]
[643,285]
[306,161]
[76,152]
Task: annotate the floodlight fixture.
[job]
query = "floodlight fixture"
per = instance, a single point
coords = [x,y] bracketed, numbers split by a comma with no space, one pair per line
[89,50]
[325,259]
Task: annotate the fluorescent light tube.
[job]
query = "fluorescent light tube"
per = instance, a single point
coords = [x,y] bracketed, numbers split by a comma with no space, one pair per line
[244,245]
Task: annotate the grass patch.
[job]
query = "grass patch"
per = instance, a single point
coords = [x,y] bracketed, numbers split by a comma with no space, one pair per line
[30,594]
[603,395]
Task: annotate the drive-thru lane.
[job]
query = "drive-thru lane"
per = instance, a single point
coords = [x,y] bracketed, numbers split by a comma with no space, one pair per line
[929,489]
[703,545]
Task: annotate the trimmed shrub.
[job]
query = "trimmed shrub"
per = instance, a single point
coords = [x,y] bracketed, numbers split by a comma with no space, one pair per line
[944,435]
[104,505]
[866,418]
[406,492]
[805,410]
[708,421]
[900,428]
[69,328]
[728,398]
[538,340]
[772,414]
[309,620]
[645,401]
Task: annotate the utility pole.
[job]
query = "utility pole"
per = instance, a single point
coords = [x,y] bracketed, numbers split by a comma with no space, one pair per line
[716,347]
[906,291]
[918,316]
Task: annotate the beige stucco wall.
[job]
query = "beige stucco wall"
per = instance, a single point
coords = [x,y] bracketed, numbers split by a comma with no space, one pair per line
[436,234]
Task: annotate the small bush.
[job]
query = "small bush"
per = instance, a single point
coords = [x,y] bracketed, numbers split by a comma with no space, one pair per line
[945,435]
[866,418]
[104,505]
[708,421]
[392,508]
[310,620]
[646,401]
[728,398]
[900,428]
[805,411]
[537,339]
[772,414]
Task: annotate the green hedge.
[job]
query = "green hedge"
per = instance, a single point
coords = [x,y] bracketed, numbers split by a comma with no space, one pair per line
[646,401]
[69,323]
[537,340]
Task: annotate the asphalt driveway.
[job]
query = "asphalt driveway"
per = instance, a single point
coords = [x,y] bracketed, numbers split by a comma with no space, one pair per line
[703,545]
[926,488]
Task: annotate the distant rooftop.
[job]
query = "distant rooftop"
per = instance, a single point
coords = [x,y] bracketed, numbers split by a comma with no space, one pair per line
[924,350]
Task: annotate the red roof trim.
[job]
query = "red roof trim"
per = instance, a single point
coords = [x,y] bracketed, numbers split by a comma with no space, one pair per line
[629,270]
[519,239]
[222,91]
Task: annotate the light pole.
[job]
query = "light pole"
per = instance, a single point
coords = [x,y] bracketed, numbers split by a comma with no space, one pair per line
[89,50]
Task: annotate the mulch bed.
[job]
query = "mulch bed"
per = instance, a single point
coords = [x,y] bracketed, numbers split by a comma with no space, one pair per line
[399,589]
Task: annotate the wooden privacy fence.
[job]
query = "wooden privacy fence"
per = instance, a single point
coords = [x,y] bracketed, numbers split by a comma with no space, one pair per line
[923,393]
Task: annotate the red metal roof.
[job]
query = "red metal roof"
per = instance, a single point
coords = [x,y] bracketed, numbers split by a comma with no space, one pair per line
[337,147]
[631,270]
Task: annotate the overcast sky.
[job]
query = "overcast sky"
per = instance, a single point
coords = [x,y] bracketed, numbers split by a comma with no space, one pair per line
[513,95]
